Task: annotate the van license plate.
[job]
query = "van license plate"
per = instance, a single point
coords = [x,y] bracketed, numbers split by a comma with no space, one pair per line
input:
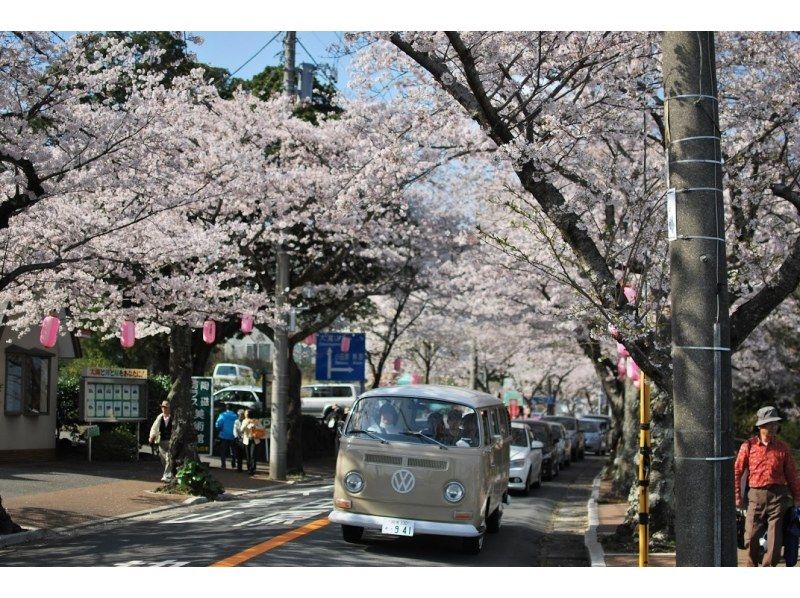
[398,527]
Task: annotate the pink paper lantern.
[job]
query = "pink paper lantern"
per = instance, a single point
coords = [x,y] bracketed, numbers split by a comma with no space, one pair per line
[247,324]
[637,383]
[633,370]
[49,332]
[622,369]
[398,364]
[345,344]
[209,331]
[630,294]
[622,351]
[127,334]
[310,340]
[613,331]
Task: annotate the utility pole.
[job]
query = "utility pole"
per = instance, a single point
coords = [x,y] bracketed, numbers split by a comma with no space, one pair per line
[280,363]
[473,382]
[701,358]
[551,401]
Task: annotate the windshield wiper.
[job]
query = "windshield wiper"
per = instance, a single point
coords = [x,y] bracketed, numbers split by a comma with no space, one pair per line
[421,435]
[370,434]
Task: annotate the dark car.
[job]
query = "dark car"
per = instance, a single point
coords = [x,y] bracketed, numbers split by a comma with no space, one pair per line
[573,431]
[543,433]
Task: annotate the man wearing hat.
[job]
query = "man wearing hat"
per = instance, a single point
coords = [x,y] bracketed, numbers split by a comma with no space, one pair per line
[160,432]
[773,484]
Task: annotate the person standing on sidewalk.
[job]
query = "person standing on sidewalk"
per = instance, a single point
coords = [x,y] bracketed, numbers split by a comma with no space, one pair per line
[773,484]
[238,445]
[224,425]
[160,433]
[250,441]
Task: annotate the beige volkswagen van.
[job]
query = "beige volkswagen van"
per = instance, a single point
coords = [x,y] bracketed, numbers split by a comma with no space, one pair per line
[423,459]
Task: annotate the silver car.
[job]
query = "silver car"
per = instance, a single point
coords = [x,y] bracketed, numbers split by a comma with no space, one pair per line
[595,435]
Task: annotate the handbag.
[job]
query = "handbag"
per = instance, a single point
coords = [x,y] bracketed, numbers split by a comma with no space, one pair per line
[740,519]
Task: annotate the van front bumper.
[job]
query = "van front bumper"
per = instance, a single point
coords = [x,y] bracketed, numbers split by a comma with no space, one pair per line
[433,528]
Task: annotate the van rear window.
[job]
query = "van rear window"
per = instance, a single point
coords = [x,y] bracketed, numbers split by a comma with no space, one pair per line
[225,370]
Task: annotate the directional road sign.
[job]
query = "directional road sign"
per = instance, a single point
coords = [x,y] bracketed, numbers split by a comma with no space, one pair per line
[340,356]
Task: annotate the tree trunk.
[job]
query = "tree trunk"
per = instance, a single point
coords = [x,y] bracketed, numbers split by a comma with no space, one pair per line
[627,447]
[294,418]
[183,442]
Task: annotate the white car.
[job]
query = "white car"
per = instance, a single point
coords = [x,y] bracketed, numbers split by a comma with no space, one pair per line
[240,397]
[227,374]
[526,459]
[319,399]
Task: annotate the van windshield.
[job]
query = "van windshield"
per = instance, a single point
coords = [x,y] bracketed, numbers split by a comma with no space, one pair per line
[420,421]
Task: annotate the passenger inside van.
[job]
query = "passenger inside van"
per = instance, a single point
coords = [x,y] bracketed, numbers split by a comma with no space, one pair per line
[468,431]
[387,421]
[436,428]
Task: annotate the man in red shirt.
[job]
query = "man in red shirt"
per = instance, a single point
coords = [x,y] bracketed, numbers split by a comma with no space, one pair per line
[773,483]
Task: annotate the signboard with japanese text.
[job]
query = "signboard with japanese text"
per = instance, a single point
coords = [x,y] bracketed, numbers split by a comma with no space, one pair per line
[340,356]
[113,395]
[201,402]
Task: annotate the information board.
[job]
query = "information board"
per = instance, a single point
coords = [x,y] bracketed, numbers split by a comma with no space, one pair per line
[113,395]
[201,400]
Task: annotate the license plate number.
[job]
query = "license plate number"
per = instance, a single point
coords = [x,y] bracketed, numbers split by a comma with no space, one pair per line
[398,527]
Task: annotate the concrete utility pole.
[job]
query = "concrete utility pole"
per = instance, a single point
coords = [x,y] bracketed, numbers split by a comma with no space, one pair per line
[280,363]
[704,504]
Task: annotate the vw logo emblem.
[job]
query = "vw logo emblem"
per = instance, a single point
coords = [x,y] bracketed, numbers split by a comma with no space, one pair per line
[403,481]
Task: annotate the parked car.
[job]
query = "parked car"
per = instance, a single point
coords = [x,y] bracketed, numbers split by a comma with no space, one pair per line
[240,397]
[551,463]
[526,459]
[319,399]
[400,472]
[595,434]
[604,419]
[563,444]
[577,441]
[228,374]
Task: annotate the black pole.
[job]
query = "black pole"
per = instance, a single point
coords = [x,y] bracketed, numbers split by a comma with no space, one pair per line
[704,505]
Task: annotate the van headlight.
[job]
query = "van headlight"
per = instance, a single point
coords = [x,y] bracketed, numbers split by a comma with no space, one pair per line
[453,492]
[354,482]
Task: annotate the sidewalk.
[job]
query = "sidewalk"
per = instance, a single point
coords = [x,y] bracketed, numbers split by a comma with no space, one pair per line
[67,493]
[611,513]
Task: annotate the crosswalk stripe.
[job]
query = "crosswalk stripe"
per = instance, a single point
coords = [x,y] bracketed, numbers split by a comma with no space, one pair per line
[258,549]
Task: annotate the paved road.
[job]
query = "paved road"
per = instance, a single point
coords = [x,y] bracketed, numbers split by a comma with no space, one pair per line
[290,528]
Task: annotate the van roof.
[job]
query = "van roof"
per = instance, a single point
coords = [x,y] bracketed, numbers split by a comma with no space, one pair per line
[465,396]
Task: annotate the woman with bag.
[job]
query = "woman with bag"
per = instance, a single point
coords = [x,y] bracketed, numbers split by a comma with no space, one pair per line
[252,432]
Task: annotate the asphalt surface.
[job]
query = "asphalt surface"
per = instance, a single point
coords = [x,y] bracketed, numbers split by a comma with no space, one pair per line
[288,527]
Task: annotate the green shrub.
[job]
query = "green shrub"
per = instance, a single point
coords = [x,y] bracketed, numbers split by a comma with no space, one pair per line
[115,443]
[195,478]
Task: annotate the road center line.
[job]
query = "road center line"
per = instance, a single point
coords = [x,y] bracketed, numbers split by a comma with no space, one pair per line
[258,549]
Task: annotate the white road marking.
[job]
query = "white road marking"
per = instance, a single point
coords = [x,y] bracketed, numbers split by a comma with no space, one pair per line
[167,563]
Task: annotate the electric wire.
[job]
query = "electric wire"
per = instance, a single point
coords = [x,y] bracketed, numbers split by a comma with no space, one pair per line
[274,37]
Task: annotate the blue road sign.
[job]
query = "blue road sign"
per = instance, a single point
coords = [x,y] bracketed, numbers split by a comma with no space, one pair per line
[340,356]
[544,400]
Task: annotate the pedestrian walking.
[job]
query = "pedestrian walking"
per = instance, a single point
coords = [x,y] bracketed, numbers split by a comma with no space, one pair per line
[160,433]
[773,484]
[250,437]
[238,445]
[224,425]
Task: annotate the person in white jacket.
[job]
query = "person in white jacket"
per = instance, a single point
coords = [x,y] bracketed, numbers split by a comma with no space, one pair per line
[248,427]
[238,445]
[160,433]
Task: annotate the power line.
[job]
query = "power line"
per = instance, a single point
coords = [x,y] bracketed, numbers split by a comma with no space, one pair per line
[307,52]
[274,37]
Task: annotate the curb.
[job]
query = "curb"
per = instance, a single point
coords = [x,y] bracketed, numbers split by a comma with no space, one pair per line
[31,534]
[596,553]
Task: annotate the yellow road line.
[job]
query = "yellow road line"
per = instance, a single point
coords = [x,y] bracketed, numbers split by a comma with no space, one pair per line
[254,551]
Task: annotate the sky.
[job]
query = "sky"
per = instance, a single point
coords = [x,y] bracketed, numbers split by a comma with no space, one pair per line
[232,49]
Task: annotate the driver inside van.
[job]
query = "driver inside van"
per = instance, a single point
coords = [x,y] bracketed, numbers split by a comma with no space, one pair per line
[468,431]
